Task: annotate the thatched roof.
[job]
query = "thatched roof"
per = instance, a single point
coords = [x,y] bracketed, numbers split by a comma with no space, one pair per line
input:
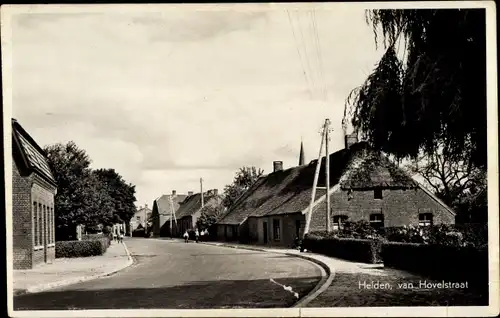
[192,203]
[289,191]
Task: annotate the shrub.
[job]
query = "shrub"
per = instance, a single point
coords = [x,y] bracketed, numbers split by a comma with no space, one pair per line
[440,261]
[442,234]
[84,248]
[407,234]
[107,230]
[360,250]
[360,230]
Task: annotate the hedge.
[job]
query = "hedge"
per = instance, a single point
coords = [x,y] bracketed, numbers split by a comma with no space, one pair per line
[453,263]
[83,248]
[359,250]
[472,234]
[106,238]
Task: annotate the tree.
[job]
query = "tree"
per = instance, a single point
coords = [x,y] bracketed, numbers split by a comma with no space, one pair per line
[122,194]
[243,180]
[80,198]
[459,184]
[210,214]
[435,95]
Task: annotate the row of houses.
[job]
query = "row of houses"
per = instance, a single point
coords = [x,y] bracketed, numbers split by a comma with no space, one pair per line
[174,213]
[364,185]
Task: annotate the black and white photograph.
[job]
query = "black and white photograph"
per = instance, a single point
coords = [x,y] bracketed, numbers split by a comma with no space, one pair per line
[266,159]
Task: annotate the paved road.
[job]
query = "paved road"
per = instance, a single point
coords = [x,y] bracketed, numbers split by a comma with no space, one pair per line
[175,275]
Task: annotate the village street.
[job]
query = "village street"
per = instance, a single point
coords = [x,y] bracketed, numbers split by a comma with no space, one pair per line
[170,274]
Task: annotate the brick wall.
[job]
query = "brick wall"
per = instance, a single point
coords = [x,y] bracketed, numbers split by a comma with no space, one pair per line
[253,229]
[287,231]
[21,220]
[400,207]
[43,193]
[26,190]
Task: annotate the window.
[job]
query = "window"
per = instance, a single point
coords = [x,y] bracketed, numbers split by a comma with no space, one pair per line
[51,225]
[377,194]
[338,220]
[35,227]
[276,230]
[425,219]
[53,220]
[39,226]
[49,228]
[43,221]
[138,219]
[377,220]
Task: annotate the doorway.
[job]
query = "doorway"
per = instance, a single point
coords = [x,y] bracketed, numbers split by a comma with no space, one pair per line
[265,232]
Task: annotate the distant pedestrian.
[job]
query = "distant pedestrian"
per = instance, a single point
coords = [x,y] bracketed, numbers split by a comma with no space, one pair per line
[114,237]
[202,234]
[121,237]
[186,237]
[197,235]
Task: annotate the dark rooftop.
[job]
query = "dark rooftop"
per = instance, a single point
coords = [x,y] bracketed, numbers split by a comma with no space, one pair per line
[289,191]
[33,155]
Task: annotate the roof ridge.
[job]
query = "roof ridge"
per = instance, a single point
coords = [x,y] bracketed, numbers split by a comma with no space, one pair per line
[26,135]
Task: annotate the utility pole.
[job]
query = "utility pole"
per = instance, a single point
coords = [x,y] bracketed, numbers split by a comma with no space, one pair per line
[171,235]
[145,220]
[316,175]
[327,127]
[201,191]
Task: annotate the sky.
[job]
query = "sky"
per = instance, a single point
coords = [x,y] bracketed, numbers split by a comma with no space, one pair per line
[172,95]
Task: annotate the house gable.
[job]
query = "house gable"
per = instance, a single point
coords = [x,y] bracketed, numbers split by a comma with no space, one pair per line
[28,155]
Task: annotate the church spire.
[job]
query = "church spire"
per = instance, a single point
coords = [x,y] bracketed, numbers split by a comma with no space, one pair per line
[302,159]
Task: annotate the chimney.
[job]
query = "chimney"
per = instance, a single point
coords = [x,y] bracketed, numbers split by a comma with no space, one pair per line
[350,140]
[174,192]
[190,193]
[145,205]
[278,165]
[216,192]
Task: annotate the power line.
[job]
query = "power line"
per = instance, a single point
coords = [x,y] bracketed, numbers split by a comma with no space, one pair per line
[305,48]
[316,49]
[300,55]
[320,55]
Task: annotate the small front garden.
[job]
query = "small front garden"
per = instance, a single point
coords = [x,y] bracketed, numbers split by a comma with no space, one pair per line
[438,252]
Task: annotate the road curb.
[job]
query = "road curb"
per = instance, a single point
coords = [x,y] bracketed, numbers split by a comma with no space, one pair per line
[320,287]
[67,282]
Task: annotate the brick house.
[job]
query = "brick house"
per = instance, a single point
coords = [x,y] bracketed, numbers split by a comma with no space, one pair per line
[33,191]
[162,210]
[190,210]
[364,185]
[141,216]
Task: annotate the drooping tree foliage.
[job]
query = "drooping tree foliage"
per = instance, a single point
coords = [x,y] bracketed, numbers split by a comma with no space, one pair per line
[435,94]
